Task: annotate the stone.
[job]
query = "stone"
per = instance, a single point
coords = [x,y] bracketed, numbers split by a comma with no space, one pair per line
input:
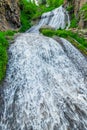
[9,14]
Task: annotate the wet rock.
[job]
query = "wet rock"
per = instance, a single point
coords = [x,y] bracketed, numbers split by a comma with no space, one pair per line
[1,104]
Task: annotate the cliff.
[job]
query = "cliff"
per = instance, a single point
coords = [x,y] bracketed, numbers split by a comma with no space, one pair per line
[9,15]
[77,5]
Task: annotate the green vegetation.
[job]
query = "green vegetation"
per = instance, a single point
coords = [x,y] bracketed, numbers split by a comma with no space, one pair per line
[74,22]
[70,8]
[55,3]
[28,9]
[30,12]
[83,12]
[3,51]
[74,38]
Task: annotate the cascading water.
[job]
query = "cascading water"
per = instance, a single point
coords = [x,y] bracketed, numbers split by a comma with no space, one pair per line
[58,18]
[45,86]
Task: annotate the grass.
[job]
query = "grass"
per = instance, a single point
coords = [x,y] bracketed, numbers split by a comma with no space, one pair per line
[3,51]
[74,38]
[74,23]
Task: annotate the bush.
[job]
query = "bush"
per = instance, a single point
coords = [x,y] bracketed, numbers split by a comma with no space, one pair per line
[73,23]
[28,9]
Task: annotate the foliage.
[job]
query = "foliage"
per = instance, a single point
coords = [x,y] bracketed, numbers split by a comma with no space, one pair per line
[28,9]
[3,51]
[73,23]
[55,3]
[70,8]
[40,10]
[82,43]
[84,11]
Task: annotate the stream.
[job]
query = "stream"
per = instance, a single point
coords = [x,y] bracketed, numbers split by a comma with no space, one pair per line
[46,81]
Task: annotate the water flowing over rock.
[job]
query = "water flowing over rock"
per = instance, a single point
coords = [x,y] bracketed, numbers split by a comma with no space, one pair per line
[58,18]
[44,88]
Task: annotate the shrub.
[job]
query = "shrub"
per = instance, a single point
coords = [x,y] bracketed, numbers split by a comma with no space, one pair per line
[28,9]
[73,23]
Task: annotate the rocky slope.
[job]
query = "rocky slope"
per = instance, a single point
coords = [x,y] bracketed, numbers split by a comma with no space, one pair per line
[9,14]
[77,4]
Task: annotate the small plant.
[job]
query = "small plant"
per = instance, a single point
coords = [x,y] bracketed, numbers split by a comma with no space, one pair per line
[74,23]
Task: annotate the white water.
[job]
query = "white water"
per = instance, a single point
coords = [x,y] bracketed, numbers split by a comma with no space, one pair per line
[58,18]
[45,86]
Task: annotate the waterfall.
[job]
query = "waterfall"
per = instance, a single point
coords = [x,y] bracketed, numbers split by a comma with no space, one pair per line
[45,86]
[57,19]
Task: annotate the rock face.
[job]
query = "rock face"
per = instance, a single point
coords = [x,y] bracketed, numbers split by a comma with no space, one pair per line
[77,4]
[9,14]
